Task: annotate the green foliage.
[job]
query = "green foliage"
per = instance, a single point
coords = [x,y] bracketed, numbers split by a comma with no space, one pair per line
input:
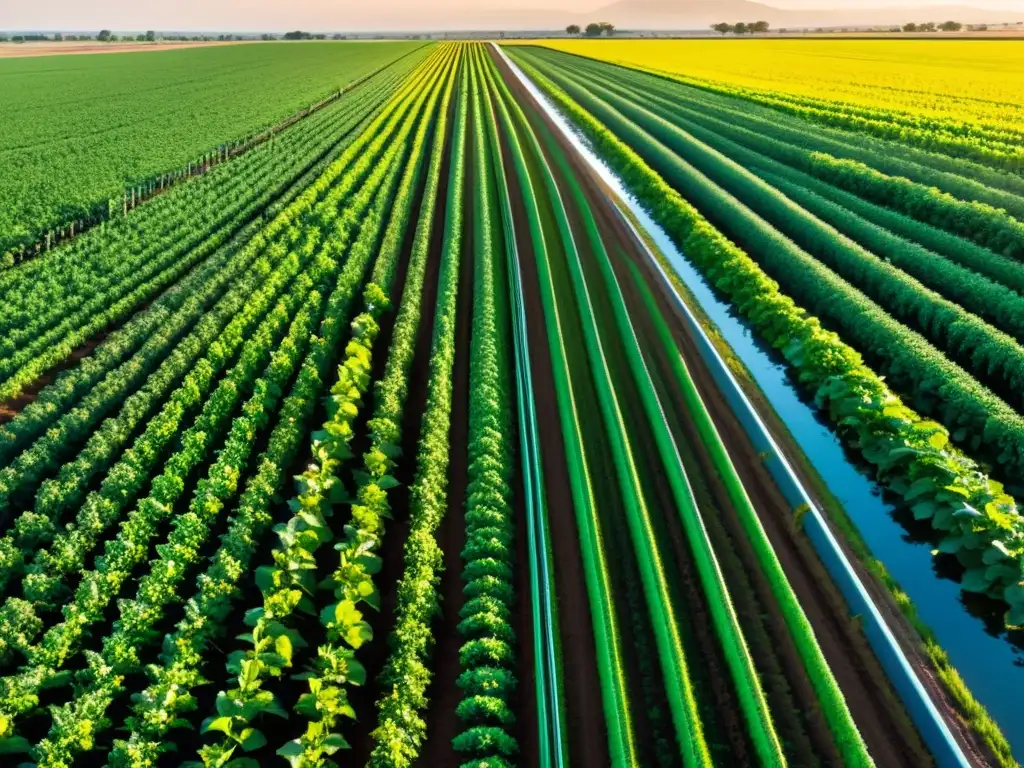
[352,580]
[128,126]
[914,457]
[400,728]
[319,224]
[484,740]
[978,222]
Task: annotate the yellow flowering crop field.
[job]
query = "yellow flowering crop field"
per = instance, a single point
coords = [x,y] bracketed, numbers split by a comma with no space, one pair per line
[963,80]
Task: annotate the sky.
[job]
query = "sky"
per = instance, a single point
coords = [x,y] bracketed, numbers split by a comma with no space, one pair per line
[328,15]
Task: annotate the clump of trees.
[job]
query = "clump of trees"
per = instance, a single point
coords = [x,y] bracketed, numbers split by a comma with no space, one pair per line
[593,29]
[297,35]
[741,28]
[930,26]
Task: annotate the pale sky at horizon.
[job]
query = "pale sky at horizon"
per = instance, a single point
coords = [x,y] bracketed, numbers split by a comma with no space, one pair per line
[273,15]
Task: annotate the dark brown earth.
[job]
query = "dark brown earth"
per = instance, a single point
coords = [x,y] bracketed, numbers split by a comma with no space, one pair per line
[879,715]
[14,406]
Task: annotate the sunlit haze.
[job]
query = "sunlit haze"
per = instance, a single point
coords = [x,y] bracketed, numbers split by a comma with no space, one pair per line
[245,15]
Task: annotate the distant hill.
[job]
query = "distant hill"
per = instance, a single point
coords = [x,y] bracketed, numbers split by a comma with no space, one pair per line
[699,14]
[675,14]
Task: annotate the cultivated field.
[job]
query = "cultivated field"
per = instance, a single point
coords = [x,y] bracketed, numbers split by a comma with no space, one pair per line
[398,437]
[76,131]
[25,50]
[970,82]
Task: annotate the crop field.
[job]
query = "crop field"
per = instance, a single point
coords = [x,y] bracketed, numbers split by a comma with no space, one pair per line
[76,131]
[395,439]
[968,82]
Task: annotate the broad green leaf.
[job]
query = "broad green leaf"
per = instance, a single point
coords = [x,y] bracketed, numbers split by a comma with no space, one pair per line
[222,724]
[251,738]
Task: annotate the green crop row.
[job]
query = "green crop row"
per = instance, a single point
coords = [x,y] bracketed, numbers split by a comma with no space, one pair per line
[762,219]
[913,457]
[290,583]
[59,301]
[616,704]
[400,727]
[844,211]
[782,134]
[488,655]
[157,712]
[988,146]
[320,214]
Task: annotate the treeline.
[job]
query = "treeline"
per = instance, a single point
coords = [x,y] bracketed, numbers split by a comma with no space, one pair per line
[750,28]
[742,28]
[593,29]
[931,26]
[106,36]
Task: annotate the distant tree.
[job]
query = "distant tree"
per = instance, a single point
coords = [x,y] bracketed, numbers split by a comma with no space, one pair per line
[320,36]
[722,28]
[104,35]
[151,36]
[58,37]
[951,26]
[265,36]
[740,29]
[760,26]
[606,28]
[911,27]
[593,29]
[572,29]
[928,26]
[18,39]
